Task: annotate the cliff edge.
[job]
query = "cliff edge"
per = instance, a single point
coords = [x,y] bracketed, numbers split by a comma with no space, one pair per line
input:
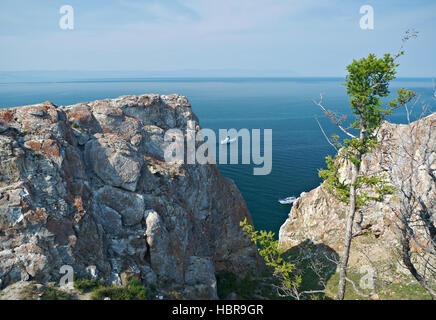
[407,158]
[87,186]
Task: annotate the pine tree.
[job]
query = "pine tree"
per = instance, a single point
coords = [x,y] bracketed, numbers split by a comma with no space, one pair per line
[367,84]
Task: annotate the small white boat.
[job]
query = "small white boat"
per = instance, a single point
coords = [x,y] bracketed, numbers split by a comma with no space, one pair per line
[227,140]
[288,200]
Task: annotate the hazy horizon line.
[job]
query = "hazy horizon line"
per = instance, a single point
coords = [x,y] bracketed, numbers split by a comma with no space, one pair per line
[78,75]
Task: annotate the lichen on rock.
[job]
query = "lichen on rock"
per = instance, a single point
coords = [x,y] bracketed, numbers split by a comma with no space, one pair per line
[86,185]
[319,217]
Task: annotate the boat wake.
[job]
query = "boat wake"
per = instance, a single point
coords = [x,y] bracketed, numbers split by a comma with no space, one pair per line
[288,200]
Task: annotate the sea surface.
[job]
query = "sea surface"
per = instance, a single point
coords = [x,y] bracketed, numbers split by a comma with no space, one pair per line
[284,105]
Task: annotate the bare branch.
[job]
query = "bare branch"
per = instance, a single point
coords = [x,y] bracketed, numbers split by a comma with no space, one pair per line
[331,116]
[409,34]
[357,290]
[325,135]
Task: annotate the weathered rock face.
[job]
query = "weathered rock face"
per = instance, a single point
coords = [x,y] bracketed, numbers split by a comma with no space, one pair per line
[406,156]
[87,186]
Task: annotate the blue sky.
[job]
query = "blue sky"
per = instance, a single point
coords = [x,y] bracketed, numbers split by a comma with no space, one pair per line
[214,37]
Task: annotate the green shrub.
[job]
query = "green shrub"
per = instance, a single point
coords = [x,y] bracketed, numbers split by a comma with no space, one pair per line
[273,256]
[134,290]
[87,284]
[49,293]
[228,283]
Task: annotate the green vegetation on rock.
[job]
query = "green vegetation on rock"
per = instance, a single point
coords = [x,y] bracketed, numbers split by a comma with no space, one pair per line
[134,290]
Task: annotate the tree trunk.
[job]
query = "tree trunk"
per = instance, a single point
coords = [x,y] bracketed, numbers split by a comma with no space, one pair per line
[348,233]
[405,255]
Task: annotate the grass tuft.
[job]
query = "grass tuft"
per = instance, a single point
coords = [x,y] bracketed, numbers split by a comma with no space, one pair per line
[134,290]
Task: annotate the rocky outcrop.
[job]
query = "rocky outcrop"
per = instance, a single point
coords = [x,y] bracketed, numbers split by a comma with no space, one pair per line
[406,152]
[86,185]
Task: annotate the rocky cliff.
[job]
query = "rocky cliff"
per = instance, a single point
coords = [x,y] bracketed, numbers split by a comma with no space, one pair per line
[87,186]
[407,158]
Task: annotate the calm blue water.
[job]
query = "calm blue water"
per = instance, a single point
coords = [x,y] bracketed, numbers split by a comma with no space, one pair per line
[283,105]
